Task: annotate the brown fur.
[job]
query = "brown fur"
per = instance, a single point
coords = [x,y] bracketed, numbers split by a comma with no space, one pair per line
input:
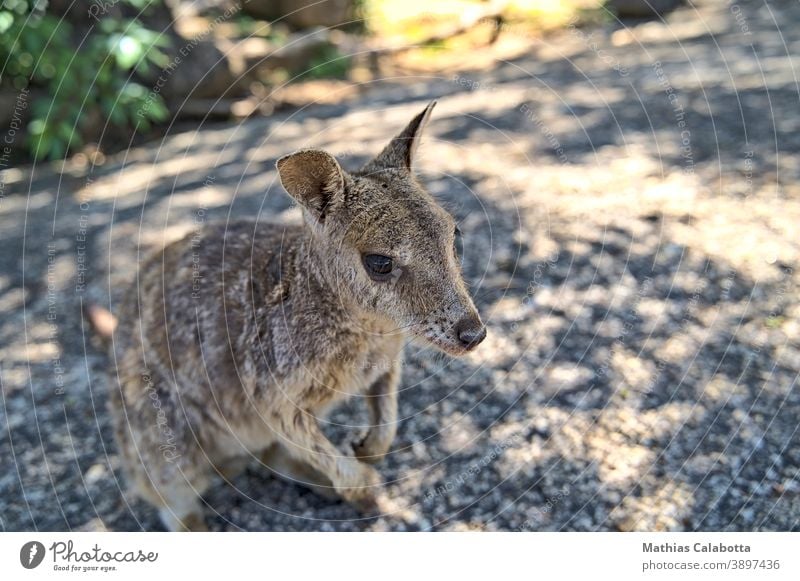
[237,340]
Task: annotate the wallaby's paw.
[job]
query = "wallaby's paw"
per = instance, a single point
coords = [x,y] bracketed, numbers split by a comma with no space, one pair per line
[366,504]
[195,523]
[192,522]
[376,505]
[369,450]
[363,493]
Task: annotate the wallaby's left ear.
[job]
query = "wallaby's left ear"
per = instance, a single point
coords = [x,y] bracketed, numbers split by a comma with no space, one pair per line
[400,151]
[313,178]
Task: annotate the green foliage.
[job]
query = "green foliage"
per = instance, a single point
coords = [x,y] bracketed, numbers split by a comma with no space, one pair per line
[327,62]
[79,73]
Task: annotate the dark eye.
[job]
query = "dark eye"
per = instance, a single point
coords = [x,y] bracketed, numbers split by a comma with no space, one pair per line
[377,265]
[458,244]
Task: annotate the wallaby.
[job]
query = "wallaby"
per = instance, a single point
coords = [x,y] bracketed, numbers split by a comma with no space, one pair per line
[239,338]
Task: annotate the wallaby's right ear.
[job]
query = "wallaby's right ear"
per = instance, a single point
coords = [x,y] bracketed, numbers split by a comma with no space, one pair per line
[313,178]
[400,151]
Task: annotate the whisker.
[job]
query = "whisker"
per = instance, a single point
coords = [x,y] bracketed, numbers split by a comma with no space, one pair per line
[404,327]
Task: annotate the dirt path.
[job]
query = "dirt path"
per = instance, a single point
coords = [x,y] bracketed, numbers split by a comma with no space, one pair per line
[630,203]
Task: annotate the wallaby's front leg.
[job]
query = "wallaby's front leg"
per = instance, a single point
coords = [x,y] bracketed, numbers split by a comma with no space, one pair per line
[382,403]
[302,438]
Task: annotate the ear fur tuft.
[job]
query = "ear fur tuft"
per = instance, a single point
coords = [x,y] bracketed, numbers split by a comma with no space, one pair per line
[313,178]
[399,153]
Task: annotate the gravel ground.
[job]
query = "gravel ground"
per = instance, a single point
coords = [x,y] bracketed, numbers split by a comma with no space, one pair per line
[629,197]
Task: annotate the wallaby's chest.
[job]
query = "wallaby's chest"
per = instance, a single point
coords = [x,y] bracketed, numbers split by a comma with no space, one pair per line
[322,385]
[352,370]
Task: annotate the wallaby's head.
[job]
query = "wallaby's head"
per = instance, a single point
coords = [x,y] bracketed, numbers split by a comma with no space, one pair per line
[387,245]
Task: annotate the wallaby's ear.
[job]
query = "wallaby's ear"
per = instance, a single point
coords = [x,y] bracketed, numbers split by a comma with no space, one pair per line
[313,178]
[400,151]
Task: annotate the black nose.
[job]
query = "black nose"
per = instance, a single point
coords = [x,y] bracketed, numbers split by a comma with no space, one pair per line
[470,331]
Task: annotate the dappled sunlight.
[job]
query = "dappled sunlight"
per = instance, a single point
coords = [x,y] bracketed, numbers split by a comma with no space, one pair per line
[663,511]
[458,433]
[628,198]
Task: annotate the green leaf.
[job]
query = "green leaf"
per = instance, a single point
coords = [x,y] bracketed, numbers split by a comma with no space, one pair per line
[64,131]
[57,149]
[36,127]
[158,110]
[117,116]
[128,51]
[6,21]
